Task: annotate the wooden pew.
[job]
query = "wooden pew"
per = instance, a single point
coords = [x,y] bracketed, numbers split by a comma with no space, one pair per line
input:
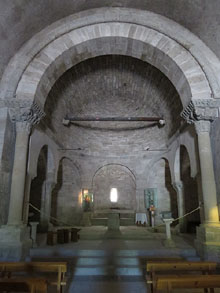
[156,269]
[23,285]
[167,283]
[11,269]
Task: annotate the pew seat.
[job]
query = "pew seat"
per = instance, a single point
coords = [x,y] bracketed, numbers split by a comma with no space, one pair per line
[157,269]
[55,271]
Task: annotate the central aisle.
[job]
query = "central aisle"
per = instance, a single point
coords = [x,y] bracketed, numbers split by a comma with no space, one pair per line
[111,265]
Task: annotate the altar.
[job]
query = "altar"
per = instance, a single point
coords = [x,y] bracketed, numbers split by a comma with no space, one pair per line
[113,217]
[141,218]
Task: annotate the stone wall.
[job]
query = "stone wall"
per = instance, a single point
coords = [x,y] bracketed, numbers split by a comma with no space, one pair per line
[114,176]
[38,185]
[112,86]
[7,140]
[166,196]
[191,197]
[66,200]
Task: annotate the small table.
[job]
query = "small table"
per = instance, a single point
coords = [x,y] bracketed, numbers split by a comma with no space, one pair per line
[141,218]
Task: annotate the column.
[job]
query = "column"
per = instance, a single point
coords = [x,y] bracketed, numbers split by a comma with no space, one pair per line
[207,172]
[19,173]
[178,186]
[24,120]
[48,186]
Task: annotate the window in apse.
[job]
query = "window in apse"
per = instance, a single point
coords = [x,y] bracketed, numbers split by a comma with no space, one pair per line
[114,195]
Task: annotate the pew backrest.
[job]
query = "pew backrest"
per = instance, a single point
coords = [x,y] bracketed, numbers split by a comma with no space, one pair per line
[7,269]
[180,266]
[168,282]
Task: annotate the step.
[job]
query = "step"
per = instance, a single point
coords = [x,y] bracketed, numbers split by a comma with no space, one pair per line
[127,221]
[99,221]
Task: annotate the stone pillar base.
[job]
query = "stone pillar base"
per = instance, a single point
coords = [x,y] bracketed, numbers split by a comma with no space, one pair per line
[208,242]
[15,242]
[169,243]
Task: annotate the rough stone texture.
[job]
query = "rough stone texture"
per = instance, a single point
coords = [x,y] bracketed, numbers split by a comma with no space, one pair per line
[38,184]
[166,196]
[207,242]
[114,176]
[66,200]
[137,41]
[191,197]
[112,86]
[7,139]
[202,18]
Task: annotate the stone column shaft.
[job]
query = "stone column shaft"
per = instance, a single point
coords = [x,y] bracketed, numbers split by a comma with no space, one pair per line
[178,186]
[24,118]
[46,204]
[207,172]
[19,173]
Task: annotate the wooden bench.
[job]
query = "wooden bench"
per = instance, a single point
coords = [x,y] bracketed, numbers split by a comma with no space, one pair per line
[62,236]
[11,269]
[157,269]
[23,285]
[167,283]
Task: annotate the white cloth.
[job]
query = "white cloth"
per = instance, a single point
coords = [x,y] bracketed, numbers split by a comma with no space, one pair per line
[142,217]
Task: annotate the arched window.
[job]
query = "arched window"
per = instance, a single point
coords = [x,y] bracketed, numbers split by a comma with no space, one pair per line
[114,195]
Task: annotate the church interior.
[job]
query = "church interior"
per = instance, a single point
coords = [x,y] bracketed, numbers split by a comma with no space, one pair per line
[109,146]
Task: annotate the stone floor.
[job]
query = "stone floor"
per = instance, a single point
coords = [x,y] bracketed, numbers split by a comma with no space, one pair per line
[104,261]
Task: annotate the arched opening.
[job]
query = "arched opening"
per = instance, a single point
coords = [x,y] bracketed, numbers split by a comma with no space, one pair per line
[37,188]
[191,199]
[165,194]
[66,202]
[114,194]
[114,187]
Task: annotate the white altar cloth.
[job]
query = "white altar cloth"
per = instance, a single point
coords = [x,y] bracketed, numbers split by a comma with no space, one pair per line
[141,217]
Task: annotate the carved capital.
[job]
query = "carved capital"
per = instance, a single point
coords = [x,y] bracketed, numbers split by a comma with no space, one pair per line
[201,109]
[202,126]
[30,115]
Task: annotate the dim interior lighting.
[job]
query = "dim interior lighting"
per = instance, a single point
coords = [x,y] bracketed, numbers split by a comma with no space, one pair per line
[80,197]
[114,195]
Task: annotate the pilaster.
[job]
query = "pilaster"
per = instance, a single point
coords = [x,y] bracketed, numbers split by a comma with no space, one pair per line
[15,236]
[201,113]
[179,187]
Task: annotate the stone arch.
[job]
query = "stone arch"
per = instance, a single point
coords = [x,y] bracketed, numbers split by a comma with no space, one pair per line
[128,170]
[114,176]
[196,50]
[50,161]
[37,141]
[119,39]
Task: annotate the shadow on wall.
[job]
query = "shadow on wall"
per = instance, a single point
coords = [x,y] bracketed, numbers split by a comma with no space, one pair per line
[65,196]
[160,178]
[38,185]
[191,198]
